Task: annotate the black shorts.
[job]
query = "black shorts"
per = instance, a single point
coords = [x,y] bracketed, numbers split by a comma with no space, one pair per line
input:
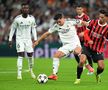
[95,55]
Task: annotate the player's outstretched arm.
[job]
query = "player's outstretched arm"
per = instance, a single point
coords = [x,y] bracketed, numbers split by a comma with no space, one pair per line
[86,37]
[84,23]
[41,38]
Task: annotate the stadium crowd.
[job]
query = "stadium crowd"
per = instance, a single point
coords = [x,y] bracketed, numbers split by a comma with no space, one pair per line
[43,11]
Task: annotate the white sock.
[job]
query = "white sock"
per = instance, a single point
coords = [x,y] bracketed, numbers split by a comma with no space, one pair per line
[19,64]
[30,63]
[55,65]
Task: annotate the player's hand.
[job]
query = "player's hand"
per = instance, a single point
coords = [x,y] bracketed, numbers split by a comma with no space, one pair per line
[81,34]
[10,44]
[35,43]
[90,42]
[84,23]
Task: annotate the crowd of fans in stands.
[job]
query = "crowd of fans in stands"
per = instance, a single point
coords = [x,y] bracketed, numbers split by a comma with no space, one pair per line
[43,11]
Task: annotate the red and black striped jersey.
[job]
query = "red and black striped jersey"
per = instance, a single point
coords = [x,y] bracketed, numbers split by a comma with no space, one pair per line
[83,17]
[98,34]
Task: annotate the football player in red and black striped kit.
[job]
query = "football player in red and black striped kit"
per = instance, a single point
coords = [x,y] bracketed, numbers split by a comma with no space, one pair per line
[80,31]
[95,36]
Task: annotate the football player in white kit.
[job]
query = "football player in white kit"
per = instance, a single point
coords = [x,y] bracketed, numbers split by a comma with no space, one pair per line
[25,27]
[71,44]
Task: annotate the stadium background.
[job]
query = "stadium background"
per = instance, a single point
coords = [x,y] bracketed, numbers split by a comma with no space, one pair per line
[43,10]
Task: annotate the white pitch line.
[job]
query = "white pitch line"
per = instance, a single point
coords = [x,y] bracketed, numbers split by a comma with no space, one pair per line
[3,72]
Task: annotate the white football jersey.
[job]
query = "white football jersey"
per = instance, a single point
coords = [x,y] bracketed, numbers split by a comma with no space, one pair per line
[25,28]
[67,32]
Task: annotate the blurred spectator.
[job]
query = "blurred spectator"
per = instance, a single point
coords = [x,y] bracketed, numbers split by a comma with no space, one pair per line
[44,10]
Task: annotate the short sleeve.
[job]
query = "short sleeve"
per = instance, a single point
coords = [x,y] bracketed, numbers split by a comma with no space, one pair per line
[75,22]
[90,24]
[87,18]
[53,29]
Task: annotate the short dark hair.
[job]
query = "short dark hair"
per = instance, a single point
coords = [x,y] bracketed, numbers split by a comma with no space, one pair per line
[58,16]
[103,11]
[79,5]
[24,3]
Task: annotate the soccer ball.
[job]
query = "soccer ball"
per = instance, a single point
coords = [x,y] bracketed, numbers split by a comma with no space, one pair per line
[42,78]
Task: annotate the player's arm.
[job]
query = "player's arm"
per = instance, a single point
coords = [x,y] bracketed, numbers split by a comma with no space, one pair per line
[86,37]
[80,23]
[12,31]
[46,34]
[86,32]
[84,23]
[34,32]
[86,18]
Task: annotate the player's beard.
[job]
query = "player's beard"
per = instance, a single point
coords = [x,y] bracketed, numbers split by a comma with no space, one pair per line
[24,15]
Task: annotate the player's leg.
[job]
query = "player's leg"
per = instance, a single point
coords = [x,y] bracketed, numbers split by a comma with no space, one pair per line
[31,63]
[30,60]
[82,57]
[99,59]
[88,52]
[56,61]
[29,50]
[89,62]
[19,65]
[76,58]
[100,69]
[20,51]
[62,51]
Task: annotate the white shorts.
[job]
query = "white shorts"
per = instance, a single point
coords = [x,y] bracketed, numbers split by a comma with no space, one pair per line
[69,48]
[24,45]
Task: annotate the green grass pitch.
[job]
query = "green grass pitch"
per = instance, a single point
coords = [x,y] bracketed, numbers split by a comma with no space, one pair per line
[67,76]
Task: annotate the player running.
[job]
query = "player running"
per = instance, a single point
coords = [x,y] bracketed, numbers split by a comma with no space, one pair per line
[80,31]
[96,35]
[71,43]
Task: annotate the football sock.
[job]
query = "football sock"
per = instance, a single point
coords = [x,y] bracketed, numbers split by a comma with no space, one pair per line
[99,71]
[79,71]
[90,61]
[76,58]
[19,64]
[30,62]
[55,65]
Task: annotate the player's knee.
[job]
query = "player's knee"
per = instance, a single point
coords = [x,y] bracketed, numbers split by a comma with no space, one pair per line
[55,55]
[100,64]
[77,50]
[58,55]
[29,54]
[21,54]
[82,59]
[101,67]
[83,56]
